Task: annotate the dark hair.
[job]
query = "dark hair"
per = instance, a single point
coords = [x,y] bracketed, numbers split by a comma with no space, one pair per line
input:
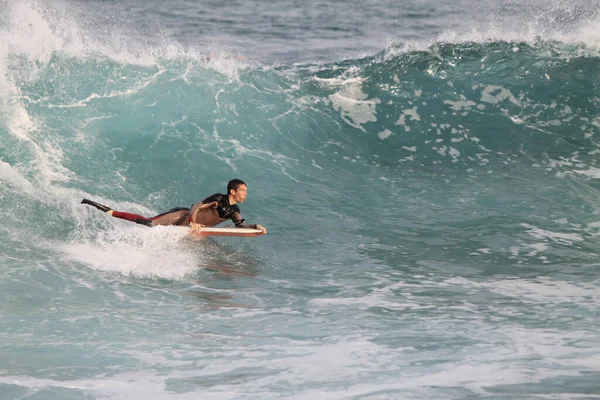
[234,184]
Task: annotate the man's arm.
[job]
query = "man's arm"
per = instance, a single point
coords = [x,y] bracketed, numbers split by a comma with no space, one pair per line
[201,206]
[241,223]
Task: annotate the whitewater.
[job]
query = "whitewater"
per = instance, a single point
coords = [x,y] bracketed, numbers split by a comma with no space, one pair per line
[427,172]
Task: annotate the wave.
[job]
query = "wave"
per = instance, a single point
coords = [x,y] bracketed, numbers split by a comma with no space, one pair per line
[149,129]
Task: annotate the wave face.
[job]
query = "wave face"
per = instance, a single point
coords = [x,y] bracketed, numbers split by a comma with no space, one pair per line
[423,203]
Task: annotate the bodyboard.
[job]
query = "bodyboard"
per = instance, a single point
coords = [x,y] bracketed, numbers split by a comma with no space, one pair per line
[240,232]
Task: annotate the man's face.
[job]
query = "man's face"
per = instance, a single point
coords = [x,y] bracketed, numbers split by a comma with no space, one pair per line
[240,194]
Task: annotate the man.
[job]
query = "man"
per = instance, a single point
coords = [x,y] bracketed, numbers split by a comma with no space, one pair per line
[209,212]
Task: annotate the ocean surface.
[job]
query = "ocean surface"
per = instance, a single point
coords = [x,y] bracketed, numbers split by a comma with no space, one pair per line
[427,171]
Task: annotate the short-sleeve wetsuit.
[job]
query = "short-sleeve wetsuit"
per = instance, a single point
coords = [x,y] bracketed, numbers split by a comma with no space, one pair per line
[224,211]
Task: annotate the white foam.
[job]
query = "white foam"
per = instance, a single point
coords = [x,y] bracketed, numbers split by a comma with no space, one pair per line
[12,176]
[354,107]
[384,134]
[350,101]
[31,33]
[412,114]
[127,385]
[38,29]
[378,297]
[540,290]
[494,94]
[138,251]
[523,27]
[559,237]
[591,172]
[460,104]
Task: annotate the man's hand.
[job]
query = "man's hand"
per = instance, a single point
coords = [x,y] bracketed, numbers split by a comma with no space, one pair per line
[196,227]
[262,228]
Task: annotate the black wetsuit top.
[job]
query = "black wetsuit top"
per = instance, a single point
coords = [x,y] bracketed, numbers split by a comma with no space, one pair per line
[225,209]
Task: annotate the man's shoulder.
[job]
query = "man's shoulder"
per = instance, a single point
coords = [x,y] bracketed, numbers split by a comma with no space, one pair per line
[215,197]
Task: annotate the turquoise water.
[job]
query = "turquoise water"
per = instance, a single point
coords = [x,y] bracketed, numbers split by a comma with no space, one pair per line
[427,173]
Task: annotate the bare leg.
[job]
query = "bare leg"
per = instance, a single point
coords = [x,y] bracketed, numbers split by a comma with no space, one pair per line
[174,218]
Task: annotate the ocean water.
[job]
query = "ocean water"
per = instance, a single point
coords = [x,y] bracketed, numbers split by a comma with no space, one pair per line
[427,171]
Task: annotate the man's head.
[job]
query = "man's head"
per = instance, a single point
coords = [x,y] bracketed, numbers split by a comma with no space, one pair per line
[237,190]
